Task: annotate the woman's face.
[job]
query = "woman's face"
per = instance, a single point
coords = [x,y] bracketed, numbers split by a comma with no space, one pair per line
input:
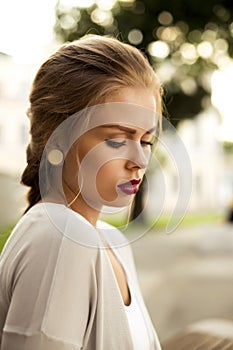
[113,156]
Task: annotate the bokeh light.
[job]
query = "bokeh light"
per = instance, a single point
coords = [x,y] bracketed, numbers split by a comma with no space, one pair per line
[158,49]
[106,4]
[188,53]
[205,49]
[135,36]
[102,17]
[165,18]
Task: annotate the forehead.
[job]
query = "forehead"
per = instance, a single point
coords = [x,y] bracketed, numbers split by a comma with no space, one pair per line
[120,113]
[143,97]
[125,128]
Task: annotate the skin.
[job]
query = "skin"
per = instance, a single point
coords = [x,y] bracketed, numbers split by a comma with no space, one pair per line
[93,144]
[117,166]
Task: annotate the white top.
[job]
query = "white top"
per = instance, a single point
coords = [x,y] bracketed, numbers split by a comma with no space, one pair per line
[58,290]
[136,321]
[137,324]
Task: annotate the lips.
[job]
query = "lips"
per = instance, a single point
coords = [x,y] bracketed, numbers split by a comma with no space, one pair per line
[130,187]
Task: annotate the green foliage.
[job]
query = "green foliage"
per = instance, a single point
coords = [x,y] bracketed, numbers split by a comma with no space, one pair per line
[184,40]
[191,219]
[228,147]
[4,234]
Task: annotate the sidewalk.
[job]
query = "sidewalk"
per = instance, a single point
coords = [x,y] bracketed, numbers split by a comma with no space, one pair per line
[186,276]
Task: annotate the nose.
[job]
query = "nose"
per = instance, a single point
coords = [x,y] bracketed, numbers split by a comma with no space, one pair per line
[137,157]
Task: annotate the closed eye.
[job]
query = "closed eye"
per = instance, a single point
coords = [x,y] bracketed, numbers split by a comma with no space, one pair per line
[147,143]
[115,144]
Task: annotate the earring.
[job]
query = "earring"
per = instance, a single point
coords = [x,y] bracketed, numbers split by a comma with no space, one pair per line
[55,157]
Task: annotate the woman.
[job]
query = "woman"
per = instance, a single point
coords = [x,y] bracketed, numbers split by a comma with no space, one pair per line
[68,280]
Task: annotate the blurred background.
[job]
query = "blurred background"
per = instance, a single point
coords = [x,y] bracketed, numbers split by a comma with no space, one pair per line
[186,276]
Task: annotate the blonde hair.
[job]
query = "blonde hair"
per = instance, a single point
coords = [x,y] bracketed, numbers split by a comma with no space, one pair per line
[80,74]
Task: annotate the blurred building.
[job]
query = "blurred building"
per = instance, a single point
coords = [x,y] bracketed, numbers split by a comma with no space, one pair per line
[207,159]
[211,167]
[15,80]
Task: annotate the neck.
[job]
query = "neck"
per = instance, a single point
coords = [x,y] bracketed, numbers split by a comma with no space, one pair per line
[81,207]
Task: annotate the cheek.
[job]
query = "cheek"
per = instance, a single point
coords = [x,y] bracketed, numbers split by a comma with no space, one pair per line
[109,174]
[107,179]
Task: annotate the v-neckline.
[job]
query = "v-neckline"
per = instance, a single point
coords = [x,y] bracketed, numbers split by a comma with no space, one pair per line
[123,272]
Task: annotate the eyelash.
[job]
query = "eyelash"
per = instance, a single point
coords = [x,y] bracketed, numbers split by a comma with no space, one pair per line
[115,144]
[118,144]
[147,143]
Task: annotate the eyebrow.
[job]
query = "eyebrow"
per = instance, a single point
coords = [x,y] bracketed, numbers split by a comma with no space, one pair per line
[126,128]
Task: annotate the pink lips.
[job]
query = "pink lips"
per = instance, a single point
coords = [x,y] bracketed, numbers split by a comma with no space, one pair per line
[130,187]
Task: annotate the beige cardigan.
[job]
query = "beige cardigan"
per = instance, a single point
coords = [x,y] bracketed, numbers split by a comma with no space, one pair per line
[58,290]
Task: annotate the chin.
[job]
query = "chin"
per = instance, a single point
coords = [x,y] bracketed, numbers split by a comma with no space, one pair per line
[119,202]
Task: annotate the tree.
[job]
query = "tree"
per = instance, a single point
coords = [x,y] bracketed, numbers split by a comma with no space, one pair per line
[184,40]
